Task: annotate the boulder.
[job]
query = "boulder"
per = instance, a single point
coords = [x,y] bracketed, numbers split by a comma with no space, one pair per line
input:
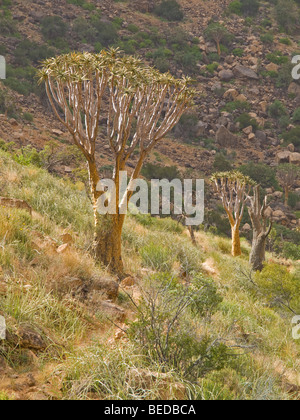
[109,288]
[226,75]
[245,72]
[225,138]
[283,157]
[295,158]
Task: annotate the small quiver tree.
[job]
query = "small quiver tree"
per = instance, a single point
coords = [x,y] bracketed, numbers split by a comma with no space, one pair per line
[287,175]
[259,219]
[233,189]
[137,107]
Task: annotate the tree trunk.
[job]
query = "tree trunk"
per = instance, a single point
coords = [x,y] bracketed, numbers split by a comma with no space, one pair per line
[219,47]
[107,242]
[286,196]
[236,241]
[258,252]
[108,230]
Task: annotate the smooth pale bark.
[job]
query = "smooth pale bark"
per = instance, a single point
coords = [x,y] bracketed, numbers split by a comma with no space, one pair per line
[260,231]
[236,241]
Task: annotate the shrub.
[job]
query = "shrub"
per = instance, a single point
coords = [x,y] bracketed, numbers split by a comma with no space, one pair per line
[291,251]
[53,27]
[168,326]
[221,164]
[245,120]
[260,173]
[157,257]
[293,136]
[152,171]
[280,287]
[267,38]
[277,109]
[296,116]
[235,7]
[250,7]
[287,14]
[169,10]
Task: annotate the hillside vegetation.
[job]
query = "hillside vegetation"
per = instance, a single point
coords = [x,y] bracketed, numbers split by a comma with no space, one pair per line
[230,331]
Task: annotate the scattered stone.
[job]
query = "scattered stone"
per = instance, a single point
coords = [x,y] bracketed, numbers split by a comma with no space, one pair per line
[226,75]
[63,248]
[15,203]
[245,72]
[225,138]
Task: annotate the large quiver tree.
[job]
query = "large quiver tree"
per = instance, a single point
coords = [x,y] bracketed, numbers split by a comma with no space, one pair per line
[137,106]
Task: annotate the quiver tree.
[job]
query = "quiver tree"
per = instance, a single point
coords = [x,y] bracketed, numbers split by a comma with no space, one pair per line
[137,107]
[259,219]
[233,189]
[287,176]
[217,33]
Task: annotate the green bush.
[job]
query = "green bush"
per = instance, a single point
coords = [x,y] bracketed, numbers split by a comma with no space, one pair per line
[250,7]
[261,173]
[169,10]
[291,251]
[53,27]
[277,109]
[152,171]
[296,116]
[293,136]
[245,120]
[280,287]
[168,326]
[235,7]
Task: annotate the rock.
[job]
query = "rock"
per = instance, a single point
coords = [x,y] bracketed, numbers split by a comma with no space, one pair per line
[278,194]
[63,248]
[66,238]
[128,282]
[261,136]
[246,228]
[248,130]
[57,132]
[241,98]
[225,138]
[109,288]
[112,310]
[295,158]
[272,67]
[27,338]
[201,127]
[226,75]
[294,89]
[264,106]
[15,203]
[283,157]
[268,212]
[231,93]
[245,72]
[278,215]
